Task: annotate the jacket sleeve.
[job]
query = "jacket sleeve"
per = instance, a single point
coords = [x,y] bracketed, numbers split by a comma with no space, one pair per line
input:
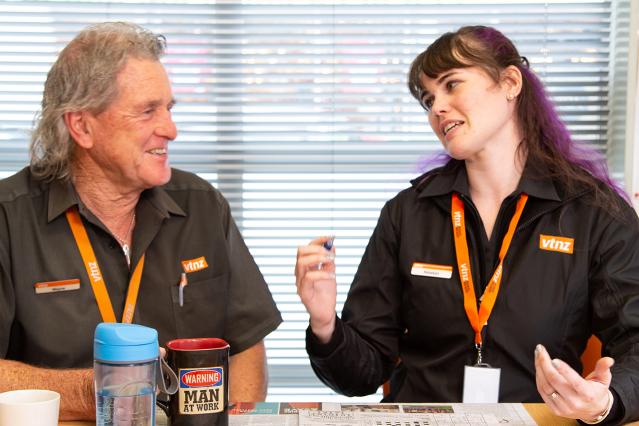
[614,295]
[364,347]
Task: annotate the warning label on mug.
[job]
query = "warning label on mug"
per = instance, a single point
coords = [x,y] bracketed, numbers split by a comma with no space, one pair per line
[201,390]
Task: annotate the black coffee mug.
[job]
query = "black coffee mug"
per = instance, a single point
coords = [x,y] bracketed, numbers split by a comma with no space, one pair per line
[202,367]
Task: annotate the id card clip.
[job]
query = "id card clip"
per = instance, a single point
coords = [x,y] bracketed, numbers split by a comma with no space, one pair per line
[479,362]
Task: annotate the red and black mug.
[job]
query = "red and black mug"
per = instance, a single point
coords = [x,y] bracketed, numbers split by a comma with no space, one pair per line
[202,368]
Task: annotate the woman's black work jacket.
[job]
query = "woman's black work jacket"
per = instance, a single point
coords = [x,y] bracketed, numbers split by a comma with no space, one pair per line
[547,296]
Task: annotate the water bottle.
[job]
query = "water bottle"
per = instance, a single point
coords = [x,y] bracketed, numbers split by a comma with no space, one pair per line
[125,370]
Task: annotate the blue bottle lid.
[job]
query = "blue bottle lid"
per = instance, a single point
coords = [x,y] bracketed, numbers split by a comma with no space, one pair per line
[116,342]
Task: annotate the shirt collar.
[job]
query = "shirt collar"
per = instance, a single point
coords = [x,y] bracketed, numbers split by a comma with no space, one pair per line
[62,195]
[452,177]
[162,201]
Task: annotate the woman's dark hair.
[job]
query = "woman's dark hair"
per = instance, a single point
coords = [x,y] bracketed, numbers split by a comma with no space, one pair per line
[546,140]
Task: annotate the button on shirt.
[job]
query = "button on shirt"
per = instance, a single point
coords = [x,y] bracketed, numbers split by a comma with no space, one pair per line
[184,220]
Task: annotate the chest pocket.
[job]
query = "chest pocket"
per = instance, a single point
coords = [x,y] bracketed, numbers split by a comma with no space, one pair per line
[203,310]
[430,301]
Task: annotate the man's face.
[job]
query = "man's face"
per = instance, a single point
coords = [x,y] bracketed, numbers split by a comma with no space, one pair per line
[130,138]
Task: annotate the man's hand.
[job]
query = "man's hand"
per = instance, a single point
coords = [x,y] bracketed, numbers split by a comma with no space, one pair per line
[77,394]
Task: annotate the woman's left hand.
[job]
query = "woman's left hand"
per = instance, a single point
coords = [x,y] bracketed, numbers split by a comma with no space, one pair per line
[566,392]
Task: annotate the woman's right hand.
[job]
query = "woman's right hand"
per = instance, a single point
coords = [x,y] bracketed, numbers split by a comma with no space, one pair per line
[316,285]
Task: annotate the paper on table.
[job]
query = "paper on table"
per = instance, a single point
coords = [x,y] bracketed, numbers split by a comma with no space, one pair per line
[267,413]
[263,420]
[336,414]
[419,415]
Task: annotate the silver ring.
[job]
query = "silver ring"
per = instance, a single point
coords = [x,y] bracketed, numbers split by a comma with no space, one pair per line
[554,395]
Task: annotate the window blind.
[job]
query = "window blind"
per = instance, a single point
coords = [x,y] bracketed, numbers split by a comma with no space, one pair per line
[618,71]
[298,111]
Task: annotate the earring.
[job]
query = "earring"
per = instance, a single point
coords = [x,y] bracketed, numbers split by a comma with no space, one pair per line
[510,97]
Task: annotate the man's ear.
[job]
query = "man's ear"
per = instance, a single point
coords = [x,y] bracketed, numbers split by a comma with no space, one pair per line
[79,128]
[511,81]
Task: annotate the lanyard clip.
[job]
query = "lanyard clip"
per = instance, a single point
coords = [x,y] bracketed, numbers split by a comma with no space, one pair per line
[479,362]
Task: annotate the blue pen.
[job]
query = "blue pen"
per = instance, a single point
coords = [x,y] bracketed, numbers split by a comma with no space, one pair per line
[328,244]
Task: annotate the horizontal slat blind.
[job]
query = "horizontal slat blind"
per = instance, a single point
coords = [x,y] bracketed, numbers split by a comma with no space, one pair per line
[298,111]
[620,27]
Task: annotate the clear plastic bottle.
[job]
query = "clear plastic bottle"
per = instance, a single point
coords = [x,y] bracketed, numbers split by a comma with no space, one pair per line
[125,370]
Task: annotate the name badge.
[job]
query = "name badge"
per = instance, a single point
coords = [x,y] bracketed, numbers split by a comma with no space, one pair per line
[481,384]
[432,270]
[56,286]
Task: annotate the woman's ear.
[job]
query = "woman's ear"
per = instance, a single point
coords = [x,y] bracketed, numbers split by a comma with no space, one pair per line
[511,81]
[79,129]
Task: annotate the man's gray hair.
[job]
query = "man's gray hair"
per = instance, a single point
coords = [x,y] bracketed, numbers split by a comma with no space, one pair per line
[84,78]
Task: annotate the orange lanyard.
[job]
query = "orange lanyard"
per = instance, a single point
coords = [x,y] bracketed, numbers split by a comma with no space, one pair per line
[479,320]
[95,275]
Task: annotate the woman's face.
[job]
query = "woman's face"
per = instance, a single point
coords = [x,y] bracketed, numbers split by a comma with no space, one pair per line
[469,112]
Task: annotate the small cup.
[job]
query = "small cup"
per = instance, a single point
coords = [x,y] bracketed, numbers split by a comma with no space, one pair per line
[29,407]
[202,367]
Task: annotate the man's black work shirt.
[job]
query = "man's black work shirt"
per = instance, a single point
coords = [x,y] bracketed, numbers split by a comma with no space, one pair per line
[178,225]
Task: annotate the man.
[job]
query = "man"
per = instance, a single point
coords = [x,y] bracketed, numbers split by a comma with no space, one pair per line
[100,228]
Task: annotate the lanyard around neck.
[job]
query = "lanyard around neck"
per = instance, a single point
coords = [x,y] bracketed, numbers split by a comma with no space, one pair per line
[95,275]
[479,320]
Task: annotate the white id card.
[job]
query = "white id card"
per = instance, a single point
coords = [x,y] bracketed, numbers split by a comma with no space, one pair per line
[481,384]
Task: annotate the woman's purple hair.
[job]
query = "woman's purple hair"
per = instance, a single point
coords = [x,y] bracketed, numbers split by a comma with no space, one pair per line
[547,143]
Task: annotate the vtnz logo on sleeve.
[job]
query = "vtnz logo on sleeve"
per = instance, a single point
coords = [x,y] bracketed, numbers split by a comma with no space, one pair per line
[554,243]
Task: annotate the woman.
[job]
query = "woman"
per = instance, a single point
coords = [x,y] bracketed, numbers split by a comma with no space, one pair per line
[517,189]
